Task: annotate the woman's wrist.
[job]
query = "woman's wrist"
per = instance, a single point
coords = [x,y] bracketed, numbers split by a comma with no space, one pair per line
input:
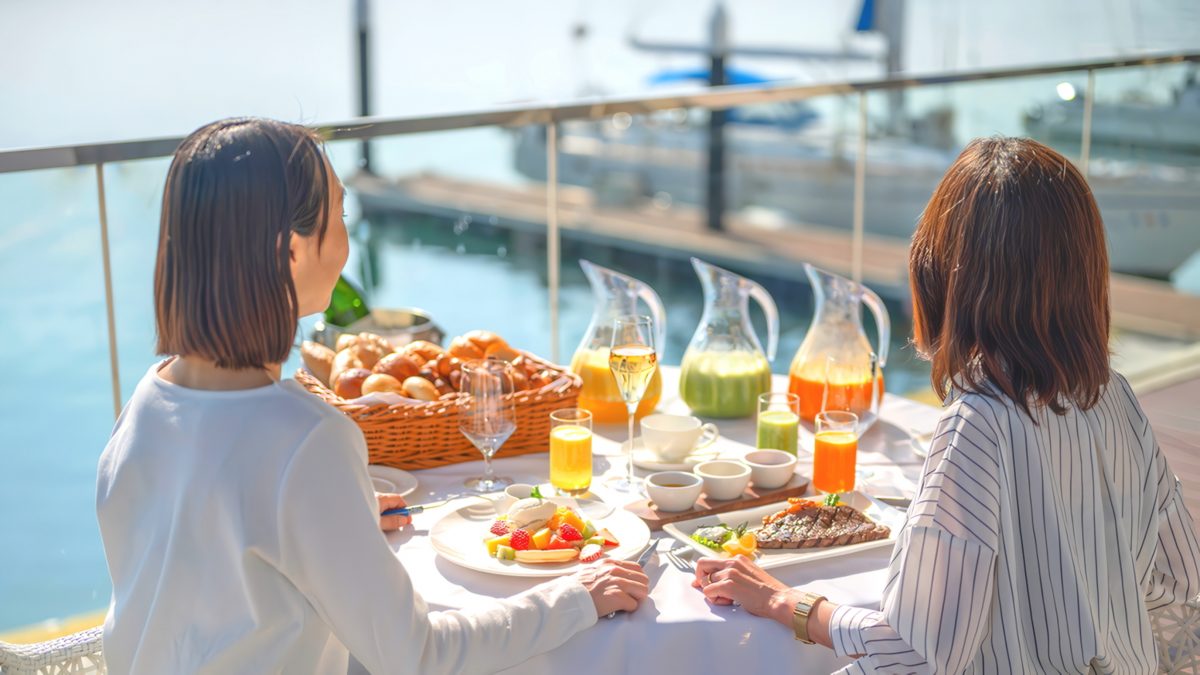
[783,604]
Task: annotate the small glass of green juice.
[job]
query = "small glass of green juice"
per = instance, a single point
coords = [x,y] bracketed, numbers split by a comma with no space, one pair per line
[779,421]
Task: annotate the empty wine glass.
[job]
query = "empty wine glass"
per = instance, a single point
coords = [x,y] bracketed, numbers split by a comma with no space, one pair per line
[489,419]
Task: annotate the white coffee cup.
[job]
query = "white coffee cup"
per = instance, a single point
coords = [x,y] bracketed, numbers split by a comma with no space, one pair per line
[770,468]
[723,478]
[673,490]
[673,437]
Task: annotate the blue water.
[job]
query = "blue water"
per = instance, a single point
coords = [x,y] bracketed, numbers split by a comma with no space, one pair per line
[92,71]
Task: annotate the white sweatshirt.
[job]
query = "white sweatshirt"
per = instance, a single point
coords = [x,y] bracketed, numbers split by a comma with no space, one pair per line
[242,536]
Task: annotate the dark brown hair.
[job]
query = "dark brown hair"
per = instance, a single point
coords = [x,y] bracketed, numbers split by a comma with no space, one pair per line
[1009,274]
[235,192]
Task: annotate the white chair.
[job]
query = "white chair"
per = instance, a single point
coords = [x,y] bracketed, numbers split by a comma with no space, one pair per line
[1177,636]
[75,653]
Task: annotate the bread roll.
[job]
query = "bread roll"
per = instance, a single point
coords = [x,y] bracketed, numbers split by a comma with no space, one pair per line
[372,348]
[502,351]
[318,359]
[345,341]
[423,349]
[464,349]
[380,382]
[349,384]
[443,387]
[343,361]
[399,366]
[420,389]
[485,340]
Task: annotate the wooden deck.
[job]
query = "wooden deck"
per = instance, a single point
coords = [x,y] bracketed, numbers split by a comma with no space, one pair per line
[1172,402]
[1139,305]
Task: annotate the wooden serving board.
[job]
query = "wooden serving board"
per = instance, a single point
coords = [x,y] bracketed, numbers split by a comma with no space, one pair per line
[752,497]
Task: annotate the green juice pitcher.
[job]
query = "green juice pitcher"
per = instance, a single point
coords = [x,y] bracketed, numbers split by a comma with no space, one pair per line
[724,368]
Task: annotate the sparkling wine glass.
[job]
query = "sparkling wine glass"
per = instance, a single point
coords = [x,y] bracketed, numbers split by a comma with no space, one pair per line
[632,359]
[489,419]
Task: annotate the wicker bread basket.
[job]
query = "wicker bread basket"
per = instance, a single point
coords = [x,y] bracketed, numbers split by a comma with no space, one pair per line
[425,435]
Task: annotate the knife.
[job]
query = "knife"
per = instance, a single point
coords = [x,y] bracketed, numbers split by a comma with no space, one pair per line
[643,558]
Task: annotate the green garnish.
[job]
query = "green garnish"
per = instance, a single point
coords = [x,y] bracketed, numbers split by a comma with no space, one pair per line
[712,537]
[715,535]
[536,493]
[832,499]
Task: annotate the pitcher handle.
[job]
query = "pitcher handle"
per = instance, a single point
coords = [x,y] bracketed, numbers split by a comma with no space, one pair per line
[882,321]
[764,300]
[658,312]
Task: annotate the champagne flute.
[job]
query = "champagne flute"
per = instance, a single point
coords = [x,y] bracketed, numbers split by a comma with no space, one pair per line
[632,359]
[489,418]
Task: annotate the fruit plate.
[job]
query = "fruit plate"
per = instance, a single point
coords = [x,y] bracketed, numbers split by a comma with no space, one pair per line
[781,557]
[459,535]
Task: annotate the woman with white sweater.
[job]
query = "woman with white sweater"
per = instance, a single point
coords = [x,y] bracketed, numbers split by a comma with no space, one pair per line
[240,526]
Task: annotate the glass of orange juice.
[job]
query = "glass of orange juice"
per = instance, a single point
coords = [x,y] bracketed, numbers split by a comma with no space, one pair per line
[571,450]
[835,451]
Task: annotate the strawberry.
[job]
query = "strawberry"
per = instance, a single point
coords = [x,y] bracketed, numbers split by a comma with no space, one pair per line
[521,541]
[591,553]
[569,532]
[499,528]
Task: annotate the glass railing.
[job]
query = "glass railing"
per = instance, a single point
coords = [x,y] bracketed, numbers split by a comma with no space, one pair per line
[455,222]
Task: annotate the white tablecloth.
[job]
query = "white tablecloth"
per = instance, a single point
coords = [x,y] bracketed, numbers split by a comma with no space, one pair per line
[675,630]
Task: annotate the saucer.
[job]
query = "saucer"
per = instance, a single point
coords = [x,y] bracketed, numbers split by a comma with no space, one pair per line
[402,482]
[647,460]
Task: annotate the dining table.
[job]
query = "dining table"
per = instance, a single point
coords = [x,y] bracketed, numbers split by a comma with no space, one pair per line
[676,630]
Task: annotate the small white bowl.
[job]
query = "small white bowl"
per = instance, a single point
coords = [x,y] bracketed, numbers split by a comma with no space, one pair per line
[673,490]
[724,479]
[770,469]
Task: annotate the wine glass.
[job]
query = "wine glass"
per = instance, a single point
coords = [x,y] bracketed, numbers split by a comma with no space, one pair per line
[489,418]
[632,359]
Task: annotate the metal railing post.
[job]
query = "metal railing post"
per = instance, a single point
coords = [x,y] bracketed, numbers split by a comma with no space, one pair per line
[553,252]
[1085,151]
[108,292]
[860,190]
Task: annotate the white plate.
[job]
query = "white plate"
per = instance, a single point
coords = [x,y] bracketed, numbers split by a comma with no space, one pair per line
[646,459]
[458,537]
[402,482]
[776,557]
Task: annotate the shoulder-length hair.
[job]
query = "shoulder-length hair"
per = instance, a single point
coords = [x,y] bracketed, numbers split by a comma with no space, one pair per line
[1009,275]
[236,191]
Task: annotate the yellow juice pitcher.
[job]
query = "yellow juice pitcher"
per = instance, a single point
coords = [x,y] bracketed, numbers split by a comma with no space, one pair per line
[616,295]
[835,367]
[724,369]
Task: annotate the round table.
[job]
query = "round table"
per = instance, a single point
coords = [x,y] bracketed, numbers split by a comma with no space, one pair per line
[675,630]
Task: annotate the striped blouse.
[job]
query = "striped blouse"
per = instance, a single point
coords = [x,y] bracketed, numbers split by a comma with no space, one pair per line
[1033,546]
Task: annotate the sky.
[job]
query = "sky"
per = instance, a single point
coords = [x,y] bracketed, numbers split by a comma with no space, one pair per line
[93,71]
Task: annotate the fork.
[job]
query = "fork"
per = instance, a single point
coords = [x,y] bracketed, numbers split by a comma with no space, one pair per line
[678,562]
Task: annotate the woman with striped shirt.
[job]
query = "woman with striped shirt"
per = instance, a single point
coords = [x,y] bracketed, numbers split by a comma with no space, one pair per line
[1047,522]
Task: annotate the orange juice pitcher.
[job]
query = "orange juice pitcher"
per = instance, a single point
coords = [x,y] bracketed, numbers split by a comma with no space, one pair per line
[616,295]
[836,336]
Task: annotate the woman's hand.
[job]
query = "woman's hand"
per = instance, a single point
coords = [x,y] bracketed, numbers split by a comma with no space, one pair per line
[390,501]
[739,580]
[615,585]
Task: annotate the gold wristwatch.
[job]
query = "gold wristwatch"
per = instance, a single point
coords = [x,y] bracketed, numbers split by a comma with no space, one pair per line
[800,615]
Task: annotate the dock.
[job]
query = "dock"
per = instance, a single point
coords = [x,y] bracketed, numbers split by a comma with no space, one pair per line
[1138,305]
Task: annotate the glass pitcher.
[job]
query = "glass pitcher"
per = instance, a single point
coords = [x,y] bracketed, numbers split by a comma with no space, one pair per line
[836,355]
[724,369]
[616,295]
